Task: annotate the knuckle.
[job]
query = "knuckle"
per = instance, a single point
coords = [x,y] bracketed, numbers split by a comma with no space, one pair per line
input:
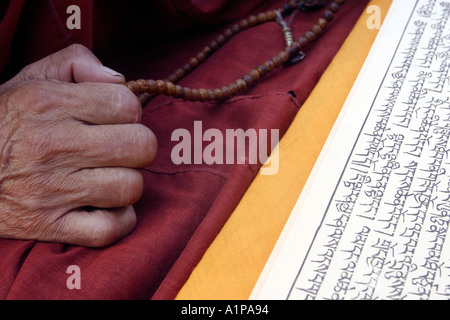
[75,50]
[147,144]
[129,103]
[124,187]
[37,148]
[28,94]
[26,223]
[92,234]
[132,190]
[110,228]
[34,97]
[98,241]
[74,54]
[102,236]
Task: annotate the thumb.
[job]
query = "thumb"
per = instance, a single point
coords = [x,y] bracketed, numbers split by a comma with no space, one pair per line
[81,65]
[75,63]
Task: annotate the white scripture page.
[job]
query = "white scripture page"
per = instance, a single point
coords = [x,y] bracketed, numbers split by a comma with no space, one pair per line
[372,220]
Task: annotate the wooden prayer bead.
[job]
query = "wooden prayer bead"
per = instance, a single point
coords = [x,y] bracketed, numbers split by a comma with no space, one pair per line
[178,91]
[317,30]
[228,33]
[218,94]
[161,85]
[226,92]
[296,46]
[203,94]
[187,93]
[328,15]
[303,42]
[220,39]
[310,36]
[284,56]
[252,20]
[193,62]
[241,84]
[254,74]
[211,95]
[322,23]
[291,52]
[170,89]
[247,79]
[133,86]
[187,68]
[214,45]
[339,2]
[235,28]
[195,95]
[172,78]
[243,24]
[271,15]
[276,60]
[233,88]
[143,85]
[200,57]
[207,50]
[262,17]
[262,70]
[269,65]
[152,87]
[334,7]
[179,73]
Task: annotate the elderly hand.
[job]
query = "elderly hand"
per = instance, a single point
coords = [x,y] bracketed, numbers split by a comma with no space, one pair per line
[70,148]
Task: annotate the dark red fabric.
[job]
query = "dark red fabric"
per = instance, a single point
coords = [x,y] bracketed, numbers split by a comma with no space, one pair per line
[11,13]
[183,207]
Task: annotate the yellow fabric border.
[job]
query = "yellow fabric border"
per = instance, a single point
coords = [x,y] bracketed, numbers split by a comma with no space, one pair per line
[234,261]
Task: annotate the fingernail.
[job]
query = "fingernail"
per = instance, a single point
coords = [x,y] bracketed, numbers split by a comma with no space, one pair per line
[112,72]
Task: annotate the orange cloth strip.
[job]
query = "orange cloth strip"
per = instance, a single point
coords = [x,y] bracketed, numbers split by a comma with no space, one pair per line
[233,263]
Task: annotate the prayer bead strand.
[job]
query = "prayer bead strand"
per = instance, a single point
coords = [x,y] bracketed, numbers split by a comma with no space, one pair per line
[292,51]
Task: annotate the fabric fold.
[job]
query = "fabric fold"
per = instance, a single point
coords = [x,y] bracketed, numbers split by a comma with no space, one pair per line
[183,207]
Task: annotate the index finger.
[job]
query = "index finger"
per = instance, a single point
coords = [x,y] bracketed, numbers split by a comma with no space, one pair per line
[104,103]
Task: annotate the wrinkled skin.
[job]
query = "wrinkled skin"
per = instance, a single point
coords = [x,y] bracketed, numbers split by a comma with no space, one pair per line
[70,149]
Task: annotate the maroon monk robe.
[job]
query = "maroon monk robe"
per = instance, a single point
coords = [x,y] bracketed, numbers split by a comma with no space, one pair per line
[183,207]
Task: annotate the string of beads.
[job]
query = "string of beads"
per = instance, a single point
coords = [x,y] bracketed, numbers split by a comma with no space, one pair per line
[291,52]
